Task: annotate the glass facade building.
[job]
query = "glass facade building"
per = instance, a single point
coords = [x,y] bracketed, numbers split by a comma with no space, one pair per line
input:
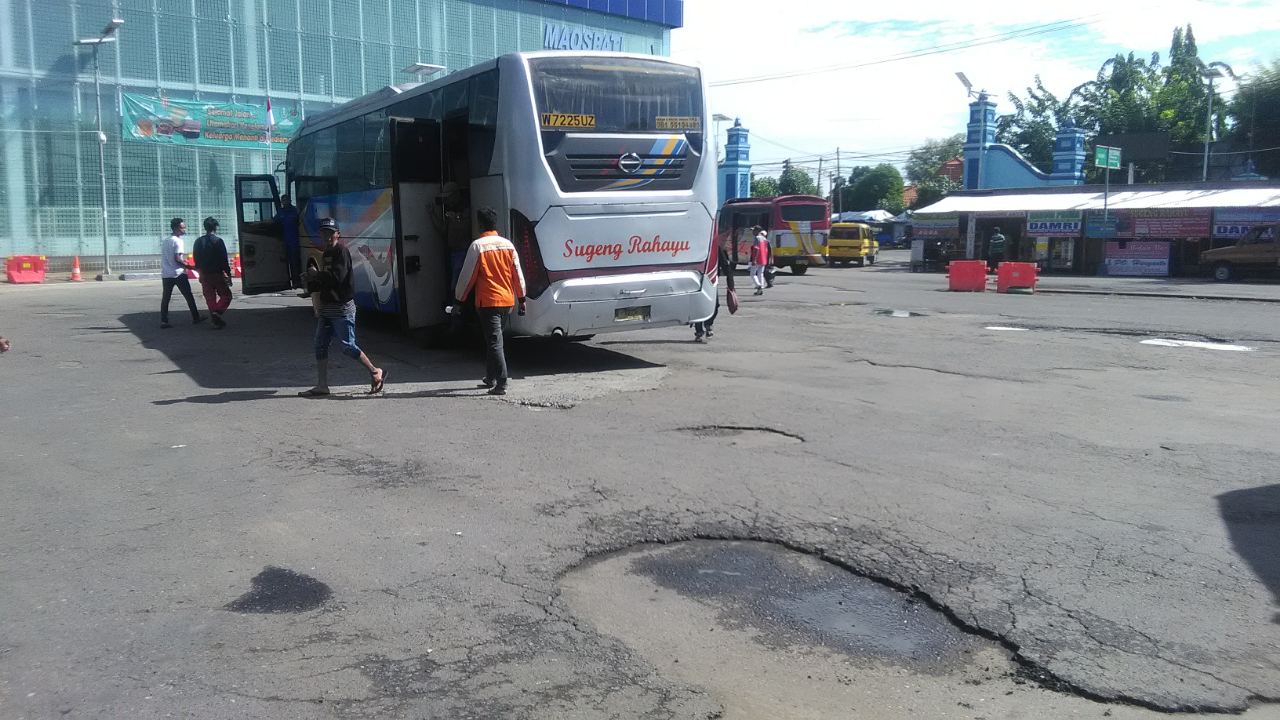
[305,55]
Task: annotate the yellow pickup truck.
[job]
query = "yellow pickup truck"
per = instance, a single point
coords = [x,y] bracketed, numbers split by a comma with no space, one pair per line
[850,243]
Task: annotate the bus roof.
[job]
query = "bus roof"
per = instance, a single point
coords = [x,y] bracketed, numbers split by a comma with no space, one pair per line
[392,94]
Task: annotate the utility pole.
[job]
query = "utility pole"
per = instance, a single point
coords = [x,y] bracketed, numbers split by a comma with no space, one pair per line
[819,176]
[840,175]
[1211,71]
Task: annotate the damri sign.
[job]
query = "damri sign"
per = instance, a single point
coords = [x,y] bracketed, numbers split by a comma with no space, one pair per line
[563,37]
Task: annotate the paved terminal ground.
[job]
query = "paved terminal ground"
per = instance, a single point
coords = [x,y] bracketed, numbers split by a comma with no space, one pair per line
[864,497]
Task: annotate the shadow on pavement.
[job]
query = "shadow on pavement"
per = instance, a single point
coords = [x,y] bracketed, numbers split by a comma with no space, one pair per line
[267,348]
[1252,518]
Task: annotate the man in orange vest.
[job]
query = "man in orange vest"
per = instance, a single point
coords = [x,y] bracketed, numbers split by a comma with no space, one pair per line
[492,270]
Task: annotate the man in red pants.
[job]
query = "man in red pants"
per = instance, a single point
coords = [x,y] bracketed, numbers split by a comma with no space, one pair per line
[210,257]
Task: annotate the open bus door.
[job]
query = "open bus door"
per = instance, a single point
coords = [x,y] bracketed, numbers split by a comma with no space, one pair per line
[263,257]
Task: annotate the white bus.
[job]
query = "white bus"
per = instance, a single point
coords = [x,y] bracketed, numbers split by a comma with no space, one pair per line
[597,164]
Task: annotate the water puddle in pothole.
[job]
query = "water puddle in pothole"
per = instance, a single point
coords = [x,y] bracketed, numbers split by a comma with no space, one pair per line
[771,633]
[280,590]
[886,312]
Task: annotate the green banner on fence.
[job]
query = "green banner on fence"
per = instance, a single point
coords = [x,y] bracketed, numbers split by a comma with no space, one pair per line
[205,124]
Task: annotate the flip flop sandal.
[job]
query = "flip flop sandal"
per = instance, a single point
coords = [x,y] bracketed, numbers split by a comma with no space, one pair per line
[312,393]
[377,386]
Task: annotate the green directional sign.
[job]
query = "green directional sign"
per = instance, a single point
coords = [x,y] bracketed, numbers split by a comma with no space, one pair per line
[1106,157]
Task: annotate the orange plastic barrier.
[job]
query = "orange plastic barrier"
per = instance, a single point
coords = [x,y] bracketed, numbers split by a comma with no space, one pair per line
[1016,275]
[235,267]
[967,276]
[25,269]
[192,273]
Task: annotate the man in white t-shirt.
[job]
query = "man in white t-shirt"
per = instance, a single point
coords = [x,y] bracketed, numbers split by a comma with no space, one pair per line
[173,273]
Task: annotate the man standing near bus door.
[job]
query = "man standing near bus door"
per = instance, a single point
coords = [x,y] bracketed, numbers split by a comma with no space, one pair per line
[287,216]
[209,254]
[337,314]
[995,249]
[760,257]
[492,270]
[173,273]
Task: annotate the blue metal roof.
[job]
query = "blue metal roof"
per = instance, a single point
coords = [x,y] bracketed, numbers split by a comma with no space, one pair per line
[663,12]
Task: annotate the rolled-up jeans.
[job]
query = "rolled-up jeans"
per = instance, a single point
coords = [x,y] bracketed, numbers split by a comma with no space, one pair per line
[493,321]
[341,328]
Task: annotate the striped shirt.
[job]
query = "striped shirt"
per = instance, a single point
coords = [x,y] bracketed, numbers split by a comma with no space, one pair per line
[346,309]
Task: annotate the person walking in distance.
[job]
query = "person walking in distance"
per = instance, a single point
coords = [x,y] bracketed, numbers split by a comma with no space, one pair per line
[209,254]
[287,216]
[492,270]
[995,249]
[173,273]
[337,314]
[759,258]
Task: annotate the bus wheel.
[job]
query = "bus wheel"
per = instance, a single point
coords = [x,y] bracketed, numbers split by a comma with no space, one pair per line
[799,269]
[871,259]
[861,262]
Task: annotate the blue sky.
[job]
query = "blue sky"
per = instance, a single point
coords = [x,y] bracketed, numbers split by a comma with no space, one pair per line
[881,110]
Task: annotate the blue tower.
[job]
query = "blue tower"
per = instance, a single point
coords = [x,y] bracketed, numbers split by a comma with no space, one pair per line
[735,171]
[1068,156]
[982,133]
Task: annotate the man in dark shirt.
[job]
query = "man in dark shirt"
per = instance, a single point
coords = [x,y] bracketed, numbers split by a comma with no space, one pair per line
[337,314]
[287,216]
[210,257]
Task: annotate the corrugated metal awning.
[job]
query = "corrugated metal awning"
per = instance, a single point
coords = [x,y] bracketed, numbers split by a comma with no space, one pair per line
[1118,200]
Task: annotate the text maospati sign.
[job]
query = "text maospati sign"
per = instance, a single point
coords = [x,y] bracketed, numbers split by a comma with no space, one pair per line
[564,37]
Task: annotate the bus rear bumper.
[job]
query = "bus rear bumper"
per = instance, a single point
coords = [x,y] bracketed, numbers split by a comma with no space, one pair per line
[633,302]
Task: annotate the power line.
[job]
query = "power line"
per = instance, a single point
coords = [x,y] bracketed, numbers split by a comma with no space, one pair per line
[1058,26]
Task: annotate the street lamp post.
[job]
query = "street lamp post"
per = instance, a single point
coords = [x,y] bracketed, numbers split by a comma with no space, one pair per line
[107,35]
[1211,72]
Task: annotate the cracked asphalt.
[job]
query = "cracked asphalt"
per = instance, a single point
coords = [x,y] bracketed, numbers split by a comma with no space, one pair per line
[1108,510]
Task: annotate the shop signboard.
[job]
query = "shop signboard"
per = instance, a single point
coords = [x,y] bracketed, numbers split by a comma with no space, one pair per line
[1136,257]
[1234,223]
[940,225]
[1108,224]
[1054,223]
[206,124]
[1171,222]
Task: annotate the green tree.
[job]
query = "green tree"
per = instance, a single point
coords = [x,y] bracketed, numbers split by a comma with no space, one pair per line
[1255,115]
[925,160]
[795,181]
[932,190]
[763,187]
[879,188]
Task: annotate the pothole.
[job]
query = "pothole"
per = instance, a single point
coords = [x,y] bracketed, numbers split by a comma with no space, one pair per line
[280,590]
[888,312]
[770,632]
[744,435]
[1164,398]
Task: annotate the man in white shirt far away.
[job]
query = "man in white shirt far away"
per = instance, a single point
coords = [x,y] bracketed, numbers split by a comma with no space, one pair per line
[173,273]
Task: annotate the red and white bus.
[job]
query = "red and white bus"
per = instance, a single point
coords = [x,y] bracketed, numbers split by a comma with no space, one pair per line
[798,226]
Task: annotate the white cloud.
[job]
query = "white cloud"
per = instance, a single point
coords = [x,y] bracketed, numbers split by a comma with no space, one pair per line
[895,106]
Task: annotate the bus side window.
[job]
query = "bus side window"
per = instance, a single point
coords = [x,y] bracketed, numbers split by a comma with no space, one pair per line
[377,151]
[482,123]
[350,165]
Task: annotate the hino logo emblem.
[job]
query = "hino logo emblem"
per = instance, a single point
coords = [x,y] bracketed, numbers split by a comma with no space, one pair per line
[630,163]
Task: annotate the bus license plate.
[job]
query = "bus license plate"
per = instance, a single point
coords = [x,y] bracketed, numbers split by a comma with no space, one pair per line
[631,313]
[802,261]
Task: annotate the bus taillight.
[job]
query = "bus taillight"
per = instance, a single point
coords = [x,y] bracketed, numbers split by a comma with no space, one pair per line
[526,242]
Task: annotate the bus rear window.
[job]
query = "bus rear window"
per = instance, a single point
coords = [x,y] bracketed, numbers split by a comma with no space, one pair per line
[616,95]
[804,213]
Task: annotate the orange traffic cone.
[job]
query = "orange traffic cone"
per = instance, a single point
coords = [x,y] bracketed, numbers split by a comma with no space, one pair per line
[75,270]
[192,273]
[235,268]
